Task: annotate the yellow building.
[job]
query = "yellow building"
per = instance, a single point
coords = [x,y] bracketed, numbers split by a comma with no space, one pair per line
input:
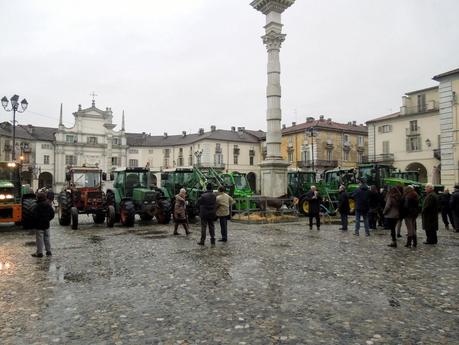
[324,144]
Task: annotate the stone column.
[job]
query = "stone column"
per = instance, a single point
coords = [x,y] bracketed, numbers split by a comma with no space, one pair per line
[274,168]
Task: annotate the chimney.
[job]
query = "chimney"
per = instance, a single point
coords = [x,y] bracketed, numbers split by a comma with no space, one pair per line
[354,123]
[201,131]
[165,135]
[184,134]
[309,119]
[213,128]
[284,126]
[329,120]
[233,129]
[293,123]
[321,117]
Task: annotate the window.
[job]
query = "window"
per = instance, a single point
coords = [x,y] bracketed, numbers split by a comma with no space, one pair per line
[70,160]
[92,140]
[345,138]
[360,140]
[167,153]
[422,107]
[413,126]
[290,155]
[133,151]
[70,139]
[115,161]
[116,141]
[359,157]
[46,146]
[218,159]
[385,129]
[180,161]
[329,155]
[46,159]
[385,147]
[151,151]
[413,144]
[166,162]
[190,160]
[218,148]
[251,160]
[133,163]
[345,155]
[236,159]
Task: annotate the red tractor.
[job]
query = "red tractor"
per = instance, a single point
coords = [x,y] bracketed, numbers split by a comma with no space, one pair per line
[83,195]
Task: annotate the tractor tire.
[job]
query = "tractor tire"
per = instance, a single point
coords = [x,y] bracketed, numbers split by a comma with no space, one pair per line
[146,217]
[111,202]
[99,217]
[303,206]
[63,209]
[110,216]
[127,213]
[74,215]
[163,217]
[27,216]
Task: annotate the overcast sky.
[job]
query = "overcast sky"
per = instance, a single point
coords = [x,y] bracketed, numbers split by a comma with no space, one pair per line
[185,64]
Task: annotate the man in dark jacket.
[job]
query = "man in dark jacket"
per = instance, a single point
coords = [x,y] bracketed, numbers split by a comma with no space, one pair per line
[374,201]
[430,215]
[444,200]
[343,207]
[362,206]
[454,207]
[42,213]
[314,200]
[207,205]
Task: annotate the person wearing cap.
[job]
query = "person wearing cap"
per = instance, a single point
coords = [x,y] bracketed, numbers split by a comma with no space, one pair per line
[454,207]
[207,205]
[430,215]
[42,213]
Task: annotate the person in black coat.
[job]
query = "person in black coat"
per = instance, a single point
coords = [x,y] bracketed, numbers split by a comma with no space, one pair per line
[314,199]
[430,215]
[42,213]
[207,205]
[343,207]
[454,207]
[444,200]
[374,202]
[362,206]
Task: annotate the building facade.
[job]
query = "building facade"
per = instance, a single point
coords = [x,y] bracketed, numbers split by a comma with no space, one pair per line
[323,144]
[93,141]
[422,135]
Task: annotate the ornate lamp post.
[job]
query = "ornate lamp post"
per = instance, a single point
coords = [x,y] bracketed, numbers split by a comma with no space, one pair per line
[198,155]
[14,108]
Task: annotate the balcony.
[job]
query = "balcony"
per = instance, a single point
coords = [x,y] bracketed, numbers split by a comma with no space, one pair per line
[318,163]
[410,132]
[236,151]
[382,158]
[437,154]
[420,109]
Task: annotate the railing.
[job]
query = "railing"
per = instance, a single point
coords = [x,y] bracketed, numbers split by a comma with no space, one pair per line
[385,157]
[419,109]
[413,131]
[318,163]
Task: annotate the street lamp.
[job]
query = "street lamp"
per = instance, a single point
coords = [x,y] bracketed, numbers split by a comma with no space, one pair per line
[312,132]
[14,108]
[198,155]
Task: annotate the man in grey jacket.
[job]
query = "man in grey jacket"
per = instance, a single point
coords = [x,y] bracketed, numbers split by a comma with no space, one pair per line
[224,202]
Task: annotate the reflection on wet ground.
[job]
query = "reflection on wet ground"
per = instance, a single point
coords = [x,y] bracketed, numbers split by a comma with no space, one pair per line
[270,284]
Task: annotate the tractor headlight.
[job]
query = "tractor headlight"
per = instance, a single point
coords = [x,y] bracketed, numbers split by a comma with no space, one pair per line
[9,196]
[11,164]
[2,196]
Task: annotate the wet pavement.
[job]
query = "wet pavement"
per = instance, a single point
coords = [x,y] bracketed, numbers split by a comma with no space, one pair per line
[270,284]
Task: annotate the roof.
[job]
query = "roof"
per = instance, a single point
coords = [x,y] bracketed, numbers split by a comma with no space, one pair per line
[422,90]
[326,125]
[385,117]
[446,74]
[28,132]
[143,139]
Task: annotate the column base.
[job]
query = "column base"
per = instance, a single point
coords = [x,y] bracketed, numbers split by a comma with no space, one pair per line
[274,177]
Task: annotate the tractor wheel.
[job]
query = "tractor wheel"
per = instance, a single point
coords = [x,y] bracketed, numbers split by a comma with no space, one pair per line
[163,217]
[74,215]
[111,202]
[127,213]
[63,209]
[99,217]
[110,216]
[146,216]
[303,206]
[27,216]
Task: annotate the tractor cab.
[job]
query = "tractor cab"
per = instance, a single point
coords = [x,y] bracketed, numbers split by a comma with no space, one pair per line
[340,176]
[237,184]
[84,186]
[300,182]
[407,175]
[374,174]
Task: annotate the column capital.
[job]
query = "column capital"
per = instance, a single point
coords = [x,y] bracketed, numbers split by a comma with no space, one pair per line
[266,6]
[273,40]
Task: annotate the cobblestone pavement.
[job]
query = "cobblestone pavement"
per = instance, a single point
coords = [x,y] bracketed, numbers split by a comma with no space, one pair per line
[270,284]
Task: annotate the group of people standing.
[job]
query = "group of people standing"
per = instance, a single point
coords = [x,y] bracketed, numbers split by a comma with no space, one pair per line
[212,206]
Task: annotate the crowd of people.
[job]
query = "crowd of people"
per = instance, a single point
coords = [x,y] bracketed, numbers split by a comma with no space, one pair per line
[390,208]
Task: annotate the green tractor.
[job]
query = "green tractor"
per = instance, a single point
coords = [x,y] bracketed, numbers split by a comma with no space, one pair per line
[330,185]
[16,201]
[239,188]
[134,192]
[298,184]
[406,175]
